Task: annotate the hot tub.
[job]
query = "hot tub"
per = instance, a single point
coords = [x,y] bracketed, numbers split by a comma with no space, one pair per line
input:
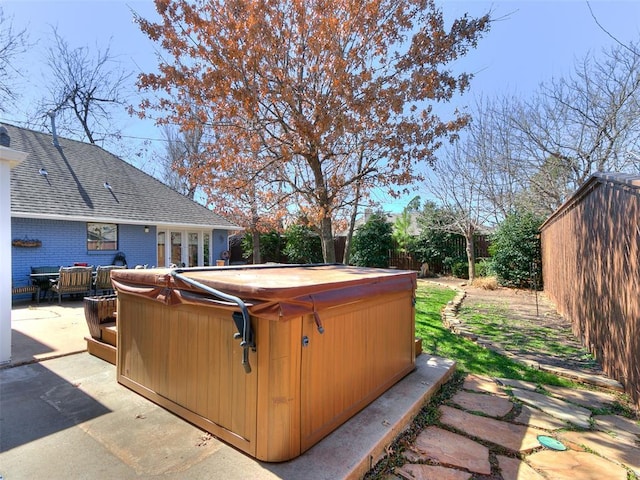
[269,359]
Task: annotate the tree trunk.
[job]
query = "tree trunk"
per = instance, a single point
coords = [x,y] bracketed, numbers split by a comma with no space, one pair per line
[255,234]
[328,247]
[471,254]
[255,240]
[354,214]
[347,244]
[324,204]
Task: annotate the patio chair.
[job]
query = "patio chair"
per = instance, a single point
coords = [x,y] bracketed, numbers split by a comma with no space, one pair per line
[34,290]
[103,278]
[73,280]
[42,277]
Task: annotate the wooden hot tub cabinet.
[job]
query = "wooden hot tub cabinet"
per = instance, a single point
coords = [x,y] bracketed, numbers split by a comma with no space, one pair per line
[176,346]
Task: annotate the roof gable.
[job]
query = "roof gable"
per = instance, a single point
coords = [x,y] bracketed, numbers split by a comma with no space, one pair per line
[74,186]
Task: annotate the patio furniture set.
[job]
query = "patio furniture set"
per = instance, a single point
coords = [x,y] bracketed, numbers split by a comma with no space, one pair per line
[76,280]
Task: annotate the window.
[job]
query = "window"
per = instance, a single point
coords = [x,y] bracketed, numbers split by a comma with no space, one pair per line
[183,248]
[176,249]
[102,236]
[193,249]
[161,247]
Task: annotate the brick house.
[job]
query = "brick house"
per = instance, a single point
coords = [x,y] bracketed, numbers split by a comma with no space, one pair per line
[74,202]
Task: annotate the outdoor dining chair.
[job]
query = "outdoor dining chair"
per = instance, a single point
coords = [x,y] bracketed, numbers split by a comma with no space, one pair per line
[103,278]
[73,280]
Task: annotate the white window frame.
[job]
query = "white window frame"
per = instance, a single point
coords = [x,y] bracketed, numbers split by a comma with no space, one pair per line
[184,247]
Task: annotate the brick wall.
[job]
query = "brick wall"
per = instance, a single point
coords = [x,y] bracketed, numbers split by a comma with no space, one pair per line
[64,243]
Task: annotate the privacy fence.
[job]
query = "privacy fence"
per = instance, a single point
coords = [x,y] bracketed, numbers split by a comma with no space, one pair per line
[397,258]
[456,245]
[591,270]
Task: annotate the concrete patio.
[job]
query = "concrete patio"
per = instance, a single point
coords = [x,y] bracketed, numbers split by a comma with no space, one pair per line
[47,330]
[63,415]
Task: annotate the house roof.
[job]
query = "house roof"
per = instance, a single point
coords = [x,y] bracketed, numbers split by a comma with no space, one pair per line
[74,187]
[414,228]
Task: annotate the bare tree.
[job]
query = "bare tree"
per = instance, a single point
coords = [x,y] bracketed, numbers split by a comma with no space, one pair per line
[491,144]
[532,154]
[12,44]
[579,125]
[632,48]
[184,151]
[456,184]
[87,86]
[511,176]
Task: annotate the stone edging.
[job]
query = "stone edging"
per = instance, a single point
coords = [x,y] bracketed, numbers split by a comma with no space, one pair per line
[452,322]
[449,313]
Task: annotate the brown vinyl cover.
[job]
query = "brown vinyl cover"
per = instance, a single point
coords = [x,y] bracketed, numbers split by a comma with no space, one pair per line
[273,292]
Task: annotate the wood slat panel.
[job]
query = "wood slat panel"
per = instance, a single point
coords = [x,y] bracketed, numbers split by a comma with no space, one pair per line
[591,271]
[204,365]
[185,359]
[188,356]
[278,412]
[364,349]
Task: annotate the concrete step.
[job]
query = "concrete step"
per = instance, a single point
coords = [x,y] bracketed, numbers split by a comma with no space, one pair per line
[101,350]
[109,333]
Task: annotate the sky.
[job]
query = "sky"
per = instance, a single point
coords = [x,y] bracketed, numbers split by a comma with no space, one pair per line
[530,42]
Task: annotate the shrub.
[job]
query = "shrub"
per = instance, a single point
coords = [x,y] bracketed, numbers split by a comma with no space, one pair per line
[460,269]
[372,242]
[271,244]
[448,262]
[485,268]
[302,245]
[434,246]
[516,251]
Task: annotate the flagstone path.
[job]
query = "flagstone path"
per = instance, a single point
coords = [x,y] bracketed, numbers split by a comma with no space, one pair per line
[490,430]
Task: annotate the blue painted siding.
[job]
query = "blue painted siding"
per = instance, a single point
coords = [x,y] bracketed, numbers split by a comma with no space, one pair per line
[220,244]
[64,243]
[139,247]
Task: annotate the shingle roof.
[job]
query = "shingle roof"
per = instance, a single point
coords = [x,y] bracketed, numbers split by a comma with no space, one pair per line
[74,186]
[414,228]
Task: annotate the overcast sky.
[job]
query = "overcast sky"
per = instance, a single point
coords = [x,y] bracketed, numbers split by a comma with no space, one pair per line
[529,43]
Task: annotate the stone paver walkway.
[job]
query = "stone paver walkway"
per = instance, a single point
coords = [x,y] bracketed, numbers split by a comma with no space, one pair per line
[490,430]
[555,407]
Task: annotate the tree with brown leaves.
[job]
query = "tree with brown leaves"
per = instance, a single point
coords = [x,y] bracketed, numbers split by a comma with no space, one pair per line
[317,84]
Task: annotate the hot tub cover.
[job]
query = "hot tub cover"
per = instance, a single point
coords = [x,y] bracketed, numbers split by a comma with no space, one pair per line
[274,292]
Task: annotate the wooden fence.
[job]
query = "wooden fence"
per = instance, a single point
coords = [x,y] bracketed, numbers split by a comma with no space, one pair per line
[397,259]
[457,244]
[591,270]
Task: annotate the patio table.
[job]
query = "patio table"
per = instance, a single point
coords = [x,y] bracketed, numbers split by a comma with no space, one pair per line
[52,277]
[43,280]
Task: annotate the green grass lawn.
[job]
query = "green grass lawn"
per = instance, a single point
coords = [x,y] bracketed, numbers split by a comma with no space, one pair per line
[523,334]
[470,357]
